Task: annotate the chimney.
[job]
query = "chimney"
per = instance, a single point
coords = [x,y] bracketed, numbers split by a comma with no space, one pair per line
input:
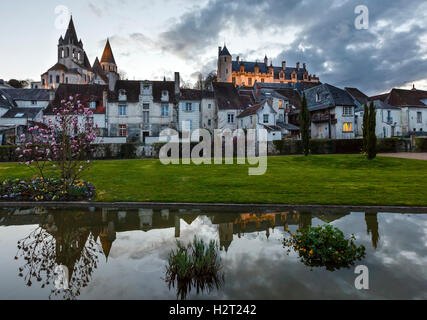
[104,98]
[177,84]
[284,65]
[266,60]
[219,51]
[297,65]
[238,59]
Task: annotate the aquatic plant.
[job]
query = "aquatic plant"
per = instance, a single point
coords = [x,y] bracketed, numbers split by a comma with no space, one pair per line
[324,246]
[197,266]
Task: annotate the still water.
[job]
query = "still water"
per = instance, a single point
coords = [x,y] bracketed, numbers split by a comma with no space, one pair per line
[123,254]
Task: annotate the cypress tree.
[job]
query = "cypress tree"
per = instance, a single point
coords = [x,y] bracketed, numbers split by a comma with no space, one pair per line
[365,128]
[372,137]
[304,118]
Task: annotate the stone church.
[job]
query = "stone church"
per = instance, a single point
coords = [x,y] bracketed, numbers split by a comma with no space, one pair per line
[73,66]
[244,73]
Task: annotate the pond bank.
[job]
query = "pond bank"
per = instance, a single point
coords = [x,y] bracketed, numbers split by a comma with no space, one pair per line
[216,206]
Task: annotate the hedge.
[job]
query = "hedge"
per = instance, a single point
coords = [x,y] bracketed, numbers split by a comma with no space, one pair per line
[421,144]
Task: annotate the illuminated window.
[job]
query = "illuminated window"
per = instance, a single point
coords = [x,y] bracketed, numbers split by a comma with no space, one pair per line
[249,81]
[347,127]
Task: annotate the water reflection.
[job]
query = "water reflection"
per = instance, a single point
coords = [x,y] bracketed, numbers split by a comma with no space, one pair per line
[77,239]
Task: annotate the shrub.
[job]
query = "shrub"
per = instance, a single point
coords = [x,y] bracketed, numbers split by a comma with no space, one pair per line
[128,151]
[197,265]
[324,246]
[40,189]
[8,154]
[421,144]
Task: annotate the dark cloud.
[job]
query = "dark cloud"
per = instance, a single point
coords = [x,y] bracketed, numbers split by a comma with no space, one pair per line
[390,53]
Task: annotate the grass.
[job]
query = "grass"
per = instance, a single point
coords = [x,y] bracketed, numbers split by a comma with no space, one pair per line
[329,179]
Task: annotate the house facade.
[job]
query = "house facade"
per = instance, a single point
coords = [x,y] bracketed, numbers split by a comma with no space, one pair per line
[229,105]
[332,112]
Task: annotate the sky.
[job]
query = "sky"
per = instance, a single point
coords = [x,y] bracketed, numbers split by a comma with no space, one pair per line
[153,39]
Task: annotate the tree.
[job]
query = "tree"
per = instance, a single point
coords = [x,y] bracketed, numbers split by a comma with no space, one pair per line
[64,143]
[365,128]
[18,84]
[372,137]
[304,119]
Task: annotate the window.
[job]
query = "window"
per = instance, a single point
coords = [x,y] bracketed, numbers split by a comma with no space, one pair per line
[165,110]
[43,82]
[266,118]
[347,111]
[249,81]
[188,107]
[50,79]
[230,118]
[66,80]
[209,122]
[122,110]
[262,80]
[234,80]
[123,130]
[93,104]
[209,106]
[34,102]
[19,115]
[419,117]
[389,118]
[146,106]
[347,127]
[57,79]
[317,97]
[252,119]
[281,118]
[146,116]
[241,123]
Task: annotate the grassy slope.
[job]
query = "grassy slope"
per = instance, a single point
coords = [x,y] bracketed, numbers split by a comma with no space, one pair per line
[334,179]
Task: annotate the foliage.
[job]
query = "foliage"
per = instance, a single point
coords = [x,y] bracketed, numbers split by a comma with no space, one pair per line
[19,84]
[304,119]
[41,189]
[63,144]
[324,246]
[371,146]
[421,144]
[196,265]
[365,127]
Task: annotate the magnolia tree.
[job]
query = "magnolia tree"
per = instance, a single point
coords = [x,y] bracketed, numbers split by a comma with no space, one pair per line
[63,144]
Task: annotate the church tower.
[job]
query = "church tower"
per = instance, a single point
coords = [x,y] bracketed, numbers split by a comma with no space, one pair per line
[109,66]
[224,65]
[70,49]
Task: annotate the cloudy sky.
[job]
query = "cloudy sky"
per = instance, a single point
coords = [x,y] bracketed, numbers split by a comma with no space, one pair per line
[152,39]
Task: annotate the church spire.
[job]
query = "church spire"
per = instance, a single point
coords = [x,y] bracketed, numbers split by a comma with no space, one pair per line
[107,56]
[71,34]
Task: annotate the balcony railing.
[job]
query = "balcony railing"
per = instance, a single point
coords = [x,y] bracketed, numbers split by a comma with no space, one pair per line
[317,118]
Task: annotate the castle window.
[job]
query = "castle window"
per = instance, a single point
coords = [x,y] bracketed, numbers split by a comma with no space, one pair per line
[57,79]
[262,80]
[67,52]
[249,81]
[234,80]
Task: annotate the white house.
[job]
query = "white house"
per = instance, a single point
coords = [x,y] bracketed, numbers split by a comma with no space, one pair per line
[261,116]
[141,109]
[229,105]
[332,112]
[28,98]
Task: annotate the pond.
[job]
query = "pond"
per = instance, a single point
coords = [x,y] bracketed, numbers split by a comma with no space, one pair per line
[118,253]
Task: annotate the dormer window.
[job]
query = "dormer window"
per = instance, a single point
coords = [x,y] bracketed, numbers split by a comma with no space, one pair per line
[122,95]
[318,97]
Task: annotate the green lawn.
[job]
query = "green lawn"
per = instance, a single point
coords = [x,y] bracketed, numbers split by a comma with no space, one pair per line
[331,179]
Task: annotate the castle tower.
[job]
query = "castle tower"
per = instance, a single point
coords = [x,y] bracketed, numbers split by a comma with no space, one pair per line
[224,65]
[109,66]
[70,49]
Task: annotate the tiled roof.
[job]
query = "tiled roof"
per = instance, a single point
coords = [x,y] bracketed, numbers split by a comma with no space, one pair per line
[292,95]
[59,66]
[358,95]
[330,96]
[6,101]
[133,90]
[402,98]
[381,97]
[97,69]
[195,95]
[87,93]
[225,52]
[24,113]
[251,110]
[108,56]
[227,96]
[27,94]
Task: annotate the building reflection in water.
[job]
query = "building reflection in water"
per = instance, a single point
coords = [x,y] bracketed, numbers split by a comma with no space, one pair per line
[76,239]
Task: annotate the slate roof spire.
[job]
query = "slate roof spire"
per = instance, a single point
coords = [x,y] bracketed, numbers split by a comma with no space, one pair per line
[107,56]
[225,51]
[71,34]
